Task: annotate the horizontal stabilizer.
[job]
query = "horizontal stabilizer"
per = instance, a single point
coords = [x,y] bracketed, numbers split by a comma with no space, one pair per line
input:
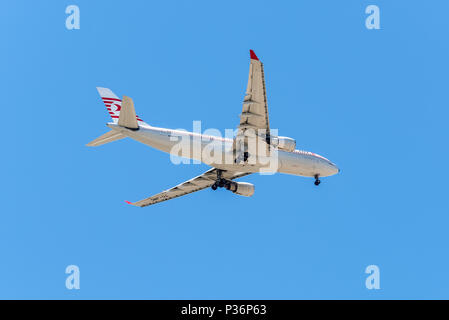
[128,114]
[106,138]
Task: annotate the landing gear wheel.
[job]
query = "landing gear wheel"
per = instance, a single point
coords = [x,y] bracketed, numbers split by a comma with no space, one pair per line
[214,186]
[317,180]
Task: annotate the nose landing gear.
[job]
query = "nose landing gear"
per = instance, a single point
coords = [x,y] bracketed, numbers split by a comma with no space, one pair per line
[317,180]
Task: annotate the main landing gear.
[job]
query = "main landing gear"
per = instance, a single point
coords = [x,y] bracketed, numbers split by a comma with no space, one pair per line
[220,182]
[317,180]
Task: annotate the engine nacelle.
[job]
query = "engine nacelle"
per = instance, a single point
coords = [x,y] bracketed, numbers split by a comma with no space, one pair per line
[284,143]
[241,188]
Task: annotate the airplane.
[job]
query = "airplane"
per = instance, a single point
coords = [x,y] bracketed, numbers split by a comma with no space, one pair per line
[231,157]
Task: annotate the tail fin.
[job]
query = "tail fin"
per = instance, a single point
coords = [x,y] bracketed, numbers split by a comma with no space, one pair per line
[114,104]
[106,138]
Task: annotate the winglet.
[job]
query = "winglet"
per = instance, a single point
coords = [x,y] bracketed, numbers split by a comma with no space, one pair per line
[128,202]
[253,55]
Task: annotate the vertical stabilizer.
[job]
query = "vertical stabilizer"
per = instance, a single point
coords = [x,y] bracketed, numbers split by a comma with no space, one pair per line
[114,105]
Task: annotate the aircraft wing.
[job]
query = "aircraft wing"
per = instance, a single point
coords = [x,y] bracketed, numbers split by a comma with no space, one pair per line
[198,183]
[254,116]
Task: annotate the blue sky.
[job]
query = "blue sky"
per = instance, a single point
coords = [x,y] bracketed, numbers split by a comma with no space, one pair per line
[375,102]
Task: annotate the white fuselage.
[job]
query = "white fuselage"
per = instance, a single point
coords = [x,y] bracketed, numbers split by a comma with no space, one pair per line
[219,150]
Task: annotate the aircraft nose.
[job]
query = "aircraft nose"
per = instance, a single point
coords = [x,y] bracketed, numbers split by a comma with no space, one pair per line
[335,169]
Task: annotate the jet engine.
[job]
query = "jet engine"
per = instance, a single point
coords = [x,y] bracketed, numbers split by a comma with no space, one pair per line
[241,188]
[284,143]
